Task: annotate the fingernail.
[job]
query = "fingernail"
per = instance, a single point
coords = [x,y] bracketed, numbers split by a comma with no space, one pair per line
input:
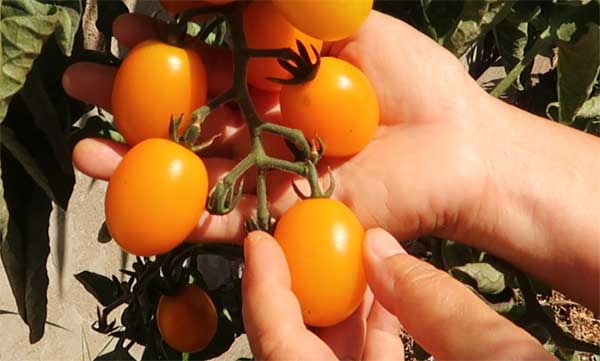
[382,244]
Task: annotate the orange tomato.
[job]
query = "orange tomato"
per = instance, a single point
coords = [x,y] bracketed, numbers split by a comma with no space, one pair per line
[339,105]
[188,320]
[326,19]
[156,81]
[266,28]
[155,197]
[322,241]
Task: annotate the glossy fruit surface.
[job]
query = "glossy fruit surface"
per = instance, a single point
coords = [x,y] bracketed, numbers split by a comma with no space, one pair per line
[156,81]
[188,320]
[155,197]
[339,106]
[266,28]
[322,241]
[326,19]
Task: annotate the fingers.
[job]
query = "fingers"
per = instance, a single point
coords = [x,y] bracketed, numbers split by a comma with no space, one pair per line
[346,339]
[98,158]
[437,310]
[272,316]
[131,29]
[383,335]
[90,83]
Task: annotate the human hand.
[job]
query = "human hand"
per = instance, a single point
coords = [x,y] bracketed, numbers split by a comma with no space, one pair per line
[421,131]
[448,159]
[441,314]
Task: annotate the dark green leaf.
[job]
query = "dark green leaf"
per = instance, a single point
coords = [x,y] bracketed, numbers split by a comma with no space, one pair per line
[108,11]
[476,19]
[25,26]
[485,278]
[578,67]
[21,153]
[46,117]
[101,287]
[98,127]
[104,234]
[512,35]
[455,254]
[26,247]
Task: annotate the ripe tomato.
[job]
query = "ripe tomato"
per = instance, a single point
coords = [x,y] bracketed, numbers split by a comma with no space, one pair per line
[322,240]
[177,6]
[155,197]
[266,28]
[187,321]
[156,80]
[326,20]
[339,106]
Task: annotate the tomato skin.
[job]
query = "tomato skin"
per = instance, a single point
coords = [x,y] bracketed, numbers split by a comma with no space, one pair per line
[155,197]
[326,19]
[266,28]
[322,241]
[157,80]
[339,105]
[188,320]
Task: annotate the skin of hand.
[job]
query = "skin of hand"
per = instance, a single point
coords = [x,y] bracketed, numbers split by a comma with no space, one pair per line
[448,159]
[441,314]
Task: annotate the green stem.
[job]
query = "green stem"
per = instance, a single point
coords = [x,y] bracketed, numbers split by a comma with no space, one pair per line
[294,135]
[239,169]
[262,212]
[539,45]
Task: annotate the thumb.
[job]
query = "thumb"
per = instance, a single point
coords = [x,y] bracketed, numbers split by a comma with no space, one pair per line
[442,315]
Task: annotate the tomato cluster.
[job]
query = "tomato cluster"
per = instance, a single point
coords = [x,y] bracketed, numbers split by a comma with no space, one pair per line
[158,192]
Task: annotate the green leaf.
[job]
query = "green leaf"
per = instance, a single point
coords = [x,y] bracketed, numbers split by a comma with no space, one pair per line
[25,250]
[485,278]
[455,254]
[104,234]
[25,25]
[21,153]
[578,67]
[512,35]
[476,19]
[102,288]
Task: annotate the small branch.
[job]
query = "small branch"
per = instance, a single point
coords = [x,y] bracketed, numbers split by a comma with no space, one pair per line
[293,135]
[263,216]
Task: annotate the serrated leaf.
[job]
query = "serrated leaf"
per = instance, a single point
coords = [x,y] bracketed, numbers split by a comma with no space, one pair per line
[578,67]
[485,278]
[476,19]
[25,250]
[25,25]
[101,287]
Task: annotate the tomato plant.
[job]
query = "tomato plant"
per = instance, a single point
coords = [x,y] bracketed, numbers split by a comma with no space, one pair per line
[339,106]
[266,28]
[159,190]
[187,321]
[327,20]
[325,259]
[155,197]
[155,82]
